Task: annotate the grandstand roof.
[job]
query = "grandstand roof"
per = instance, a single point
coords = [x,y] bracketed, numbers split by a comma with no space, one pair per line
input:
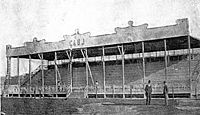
[128,34]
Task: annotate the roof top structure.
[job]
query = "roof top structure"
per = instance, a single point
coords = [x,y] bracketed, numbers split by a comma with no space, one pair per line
[78,41]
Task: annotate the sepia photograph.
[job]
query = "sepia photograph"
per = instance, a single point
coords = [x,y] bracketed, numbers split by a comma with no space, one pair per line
[100,57]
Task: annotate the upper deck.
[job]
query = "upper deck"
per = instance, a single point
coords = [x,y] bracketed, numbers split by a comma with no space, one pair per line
[122,35]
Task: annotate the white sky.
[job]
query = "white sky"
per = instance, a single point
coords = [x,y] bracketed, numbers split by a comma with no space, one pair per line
[21,20]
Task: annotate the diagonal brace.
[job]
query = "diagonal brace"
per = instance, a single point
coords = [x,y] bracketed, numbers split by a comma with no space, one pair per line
[87,64]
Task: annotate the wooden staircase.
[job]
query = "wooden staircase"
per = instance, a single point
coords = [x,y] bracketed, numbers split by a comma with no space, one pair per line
[33,73]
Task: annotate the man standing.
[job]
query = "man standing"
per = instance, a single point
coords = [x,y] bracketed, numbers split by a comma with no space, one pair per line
[165,93]
[148,91]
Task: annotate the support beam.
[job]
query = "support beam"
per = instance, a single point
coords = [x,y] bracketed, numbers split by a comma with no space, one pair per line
[123,79]
[56,74]
[143,64]
[168,57]
[104,72]
[90,72]
[189,64]
[7,83]
[70,57]
[42,65]
[71,69]
[119,49]
[19,84]
[87,82]
[165,45]
[8,71]
[87,64]
[30,70]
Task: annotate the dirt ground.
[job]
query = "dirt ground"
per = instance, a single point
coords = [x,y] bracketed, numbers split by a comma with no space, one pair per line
[75,106]
[99,109]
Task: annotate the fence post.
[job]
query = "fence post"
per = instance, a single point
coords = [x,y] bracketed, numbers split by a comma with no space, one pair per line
[131,90]
[113,90]
[96,90]
[173,94]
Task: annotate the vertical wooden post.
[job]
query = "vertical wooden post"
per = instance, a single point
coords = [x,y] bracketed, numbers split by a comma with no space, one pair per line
[56,74]
[30,70]
[131,91]
[71,70]
[42,64]
[104,72]
[123,80]
[173,94]
[19,84]
[165,45]
[189,64]
[143,65]
[8,71]
[86,68]
[197,85]
[113,91]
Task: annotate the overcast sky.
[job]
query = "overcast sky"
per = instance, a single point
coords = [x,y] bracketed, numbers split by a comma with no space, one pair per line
[21,20]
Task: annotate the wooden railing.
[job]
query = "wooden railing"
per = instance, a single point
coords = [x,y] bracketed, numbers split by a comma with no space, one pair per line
[138,88]
[63,89]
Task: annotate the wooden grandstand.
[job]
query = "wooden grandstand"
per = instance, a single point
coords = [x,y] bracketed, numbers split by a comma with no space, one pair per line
[121,63]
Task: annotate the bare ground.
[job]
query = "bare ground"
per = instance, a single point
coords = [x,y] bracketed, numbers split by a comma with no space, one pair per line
[76,106]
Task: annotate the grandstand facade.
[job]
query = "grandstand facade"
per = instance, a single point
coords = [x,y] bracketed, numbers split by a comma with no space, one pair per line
[121,63]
